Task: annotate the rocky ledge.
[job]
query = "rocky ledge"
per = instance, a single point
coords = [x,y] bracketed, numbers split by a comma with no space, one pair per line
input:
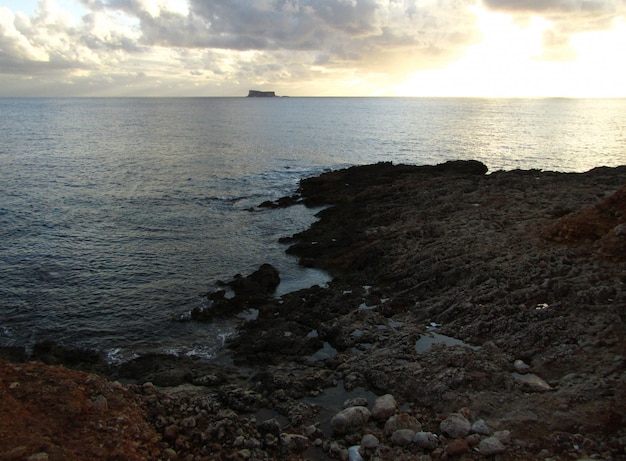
[471,316]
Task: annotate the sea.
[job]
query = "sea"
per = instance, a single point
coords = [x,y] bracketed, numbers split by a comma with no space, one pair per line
[118,215]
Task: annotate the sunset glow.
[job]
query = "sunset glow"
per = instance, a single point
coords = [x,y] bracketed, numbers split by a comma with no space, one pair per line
[493,48]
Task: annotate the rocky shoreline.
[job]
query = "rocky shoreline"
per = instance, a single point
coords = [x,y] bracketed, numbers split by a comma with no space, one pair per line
[470,316]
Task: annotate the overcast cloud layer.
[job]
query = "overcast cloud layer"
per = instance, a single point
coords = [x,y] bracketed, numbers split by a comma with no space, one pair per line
[224,47]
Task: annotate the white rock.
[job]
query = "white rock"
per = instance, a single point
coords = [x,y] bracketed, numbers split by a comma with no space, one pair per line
[491,446]
[350,420]
[353,454]
[455,425]
[384,407]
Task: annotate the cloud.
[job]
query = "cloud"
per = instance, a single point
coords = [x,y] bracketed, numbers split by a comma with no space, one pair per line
[225,46]
[365,34]
[568,17]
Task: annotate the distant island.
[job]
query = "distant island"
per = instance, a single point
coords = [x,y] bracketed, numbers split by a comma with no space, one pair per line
[261,94]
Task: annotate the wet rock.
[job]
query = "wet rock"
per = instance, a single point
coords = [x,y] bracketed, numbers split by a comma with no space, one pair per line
[262,281]
[350,420]
[491,446]
[384,407]
[455,425]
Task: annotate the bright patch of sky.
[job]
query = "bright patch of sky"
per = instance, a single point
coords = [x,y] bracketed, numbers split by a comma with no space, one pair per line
[313,47]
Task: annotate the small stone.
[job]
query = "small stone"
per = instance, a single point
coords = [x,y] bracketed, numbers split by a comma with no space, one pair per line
[384,407]
[521,366]
[269,426]
[370,441]
[620,230]
[170,432]
[473,439]
[401,421]
[294,442]
[170,454]
[481,427]
[455,425]
[402,437]
[100,403]
[356,402]
[336,451]
[426,440]
[491,446]
[41,456]
[244,454]
[503,436]
[353,454]
[457,447]
[350,420]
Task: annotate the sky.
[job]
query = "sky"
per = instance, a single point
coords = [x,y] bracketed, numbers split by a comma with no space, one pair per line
[472,48]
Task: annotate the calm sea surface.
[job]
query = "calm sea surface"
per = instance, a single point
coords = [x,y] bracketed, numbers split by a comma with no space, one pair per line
[116,215]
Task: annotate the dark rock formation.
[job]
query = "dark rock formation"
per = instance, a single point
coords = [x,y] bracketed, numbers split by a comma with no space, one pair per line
[250,292]
[261,94]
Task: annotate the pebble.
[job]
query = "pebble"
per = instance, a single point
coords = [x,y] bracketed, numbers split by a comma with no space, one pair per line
[503,436]
[384,407]
[356,402]
[401,421]
[481,427]
[491,446]
[520,365]
[455,425]
[369,441]
[457,447]
[294,442]
[350,420]
[402,437]
[100,403]
[269,426]
[426,440]
[353,454]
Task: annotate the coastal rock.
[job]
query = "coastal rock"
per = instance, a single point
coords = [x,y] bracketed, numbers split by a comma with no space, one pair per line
[350,420]
[262,281]
[455,425]
[384,407]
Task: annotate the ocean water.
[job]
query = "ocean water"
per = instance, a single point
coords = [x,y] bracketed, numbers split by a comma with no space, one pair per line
[116,215]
